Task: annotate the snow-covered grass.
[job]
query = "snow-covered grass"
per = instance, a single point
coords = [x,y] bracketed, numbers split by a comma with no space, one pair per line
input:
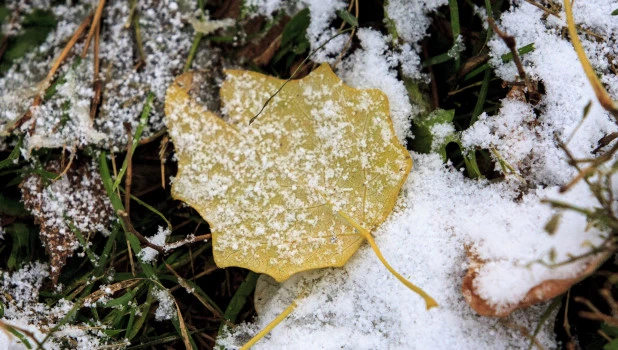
[123,270]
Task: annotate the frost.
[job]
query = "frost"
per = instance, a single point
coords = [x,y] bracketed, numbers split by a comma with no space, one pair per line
[20,296]
[166,309]
[63,119]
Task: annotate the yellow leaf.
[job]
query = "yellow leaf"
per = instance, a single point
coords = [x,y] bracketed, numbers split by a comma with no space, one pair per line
[293,190]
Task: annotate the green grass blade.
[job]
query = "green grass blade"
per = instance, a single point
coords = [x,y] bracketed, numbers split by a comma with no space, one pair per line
[239,299]
[13,156]
[136,137]
[455,28]
[480,102]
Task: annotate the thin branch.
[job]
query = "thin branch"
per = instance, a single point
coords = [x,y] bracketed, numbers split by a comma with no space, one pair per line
[97,84]
[94,26]
[512,45]
[127,221]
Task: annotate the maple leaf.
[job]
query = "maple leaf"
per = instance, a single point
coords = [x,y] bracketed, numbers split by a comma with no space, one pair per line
[302,186]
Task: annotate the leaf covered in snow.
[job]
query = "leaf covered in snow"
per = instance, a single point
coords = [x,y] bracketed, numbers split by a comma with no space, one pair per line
[75,202]
[291,191]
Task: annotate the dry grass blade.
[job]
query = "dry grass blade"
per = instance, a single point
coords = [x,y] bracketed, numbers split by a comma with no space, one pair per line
[111,289]
[57,63]
[94,27]
[604,99]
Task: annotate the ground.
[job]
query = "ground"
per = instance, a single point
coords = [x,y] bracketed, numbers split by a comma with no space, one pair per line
[132,192]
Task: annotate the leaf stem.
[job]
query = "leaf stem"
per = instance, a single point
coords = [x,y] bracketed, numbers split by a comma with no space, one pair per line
[270,326]
[429,301]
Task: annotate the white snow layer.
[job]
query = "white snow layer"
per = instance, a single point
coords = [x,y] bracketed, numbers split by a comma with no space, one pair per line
[525,138]
[362,306]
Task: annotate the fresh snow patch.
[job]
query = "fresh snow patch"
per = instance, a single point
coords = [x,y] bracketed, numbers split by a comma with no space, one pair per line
[411,18]
[166,309]
[20,296]
[440,211]
[375,66]
[525,136]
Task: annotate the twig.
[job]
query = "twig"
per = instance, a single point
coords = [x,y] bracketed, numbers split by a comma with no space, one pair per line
[511,44]
[604,141]
[557,15]
[127,221]
[162,151]
[94,26]
[591,168]
[138,39]
[65,53]
[149,139]
[66,169]
[129,174]
[534,3]
[97,84]
[347,44]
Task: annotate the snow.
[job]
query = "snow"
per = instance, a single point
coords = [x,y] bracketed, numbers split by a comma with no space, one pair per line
[525,136]
[319,32]
[411,17]
[166,309]
[441,216]
[361,306]
[63,119]
[374,66]
[20,296]
[441,213]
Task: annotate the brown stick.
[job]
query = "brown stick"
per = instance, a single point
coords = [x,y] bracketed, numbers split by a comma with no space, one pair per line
[129,176]
[511,44]
[97,85]
[94,26]
[127,222]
